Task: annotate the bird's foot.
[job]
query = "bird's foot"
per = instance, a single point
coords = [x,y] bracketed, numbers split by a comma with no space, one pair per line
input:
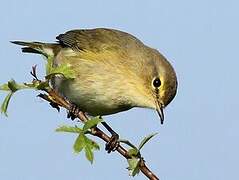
[113,144]
[73,112]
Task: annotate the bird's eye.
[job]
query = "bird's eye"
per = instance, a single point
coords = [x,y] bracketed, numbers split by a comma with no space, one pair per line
[156,82]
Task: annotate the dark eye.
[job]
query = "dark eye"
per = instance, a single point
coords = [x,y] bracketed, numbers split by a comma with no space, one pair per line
[157,83]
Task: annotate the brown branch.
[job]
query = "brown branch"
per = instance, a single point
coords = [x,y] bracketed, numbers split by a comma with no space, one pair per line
[56,99]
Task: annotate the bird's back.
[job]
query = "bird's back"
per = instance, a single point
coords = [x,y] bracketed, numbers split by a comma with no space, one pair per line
[97,40]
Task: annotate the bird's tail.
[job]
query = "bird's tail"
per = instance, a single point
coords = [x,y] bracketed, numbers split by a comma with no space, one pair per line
[46,49]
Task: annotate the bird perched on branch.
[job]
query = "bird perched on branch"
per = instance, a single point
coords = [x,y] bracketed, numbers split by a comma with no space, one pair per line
[114,71]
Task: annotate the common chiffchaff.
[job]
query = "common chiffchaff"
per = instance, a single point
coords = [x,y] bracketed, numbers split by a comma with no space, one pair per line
[114,71]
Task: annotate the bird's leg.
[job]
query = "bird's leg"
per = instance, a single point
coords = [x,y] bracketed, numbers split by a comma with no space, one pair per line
[73,112]
[113,143]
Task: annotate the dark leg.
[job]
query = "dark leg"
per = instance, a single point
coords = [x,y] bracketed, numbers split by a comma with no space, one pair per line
[74,111]
[113,143]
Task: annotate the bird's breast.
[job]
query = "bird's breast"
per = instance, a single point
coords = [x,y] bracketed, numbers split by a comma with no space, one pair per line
[93,100]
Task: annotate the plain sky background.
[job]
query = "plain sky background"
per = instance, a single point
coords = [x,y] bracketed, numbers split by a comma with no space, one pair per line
[199,139]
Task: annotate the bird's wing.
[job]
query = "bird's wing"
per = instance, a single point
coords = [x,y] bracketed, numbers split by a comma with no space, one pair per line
[98,40]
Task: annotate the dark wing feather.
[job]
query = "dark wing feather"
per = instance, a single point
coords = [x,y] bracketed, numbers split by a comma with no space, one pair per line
[97,40]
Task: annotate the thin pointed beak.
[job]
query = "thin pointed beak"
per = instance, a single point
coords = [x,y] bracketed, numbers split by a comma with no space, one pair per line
[161,114]
[159,109]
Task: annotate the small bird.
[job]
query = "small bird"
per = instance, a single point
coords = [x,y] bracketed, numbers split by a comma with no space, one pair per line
[114,71]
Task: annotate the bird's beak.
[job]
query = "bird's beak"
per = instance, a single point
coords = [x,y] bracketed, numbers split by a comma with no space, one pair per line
[159,109]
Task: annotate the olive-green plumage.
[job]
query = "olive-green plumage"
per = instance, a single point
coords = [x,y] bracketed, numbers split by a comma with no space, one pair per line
[114,71]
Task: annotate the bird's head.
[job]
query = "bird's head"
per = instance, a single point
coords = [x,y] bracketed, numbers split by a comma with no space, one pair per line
[159,82]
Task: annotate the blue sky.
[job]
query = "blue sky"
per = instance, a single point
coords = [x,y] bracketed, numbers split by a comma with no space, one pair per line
[199,139]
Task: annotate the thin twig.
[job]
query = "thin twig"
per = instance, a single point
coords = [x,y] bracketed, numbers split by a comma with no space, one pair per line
[54,97]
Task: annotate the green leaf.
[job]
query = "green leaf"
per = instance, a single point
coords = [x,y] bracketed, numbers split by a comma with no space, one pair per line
[38,85]
[31,85]
[91,123]
[89,154]
[133,152]
[92,144]
[64,69]
[136,170]
[4,87]
[128,143]
[132,163]
[145,140]
[13,85]
[133,166]
[79,143]
[69,129]
[82,142]
[42,85]
[5,103]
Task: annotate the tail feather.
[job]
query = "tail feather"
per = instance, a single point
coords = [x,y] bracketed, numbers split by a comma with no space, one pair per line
[45,49]
[30,50]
